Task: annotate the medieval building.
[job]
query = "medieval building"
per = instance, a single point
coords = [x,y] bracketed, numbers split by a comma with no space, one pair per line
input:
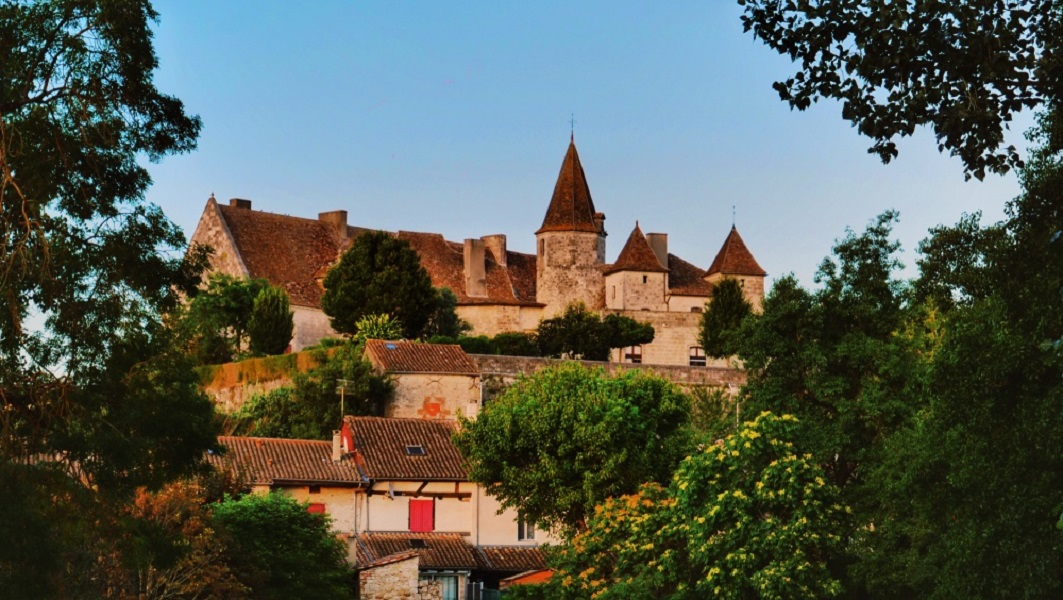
[499,290]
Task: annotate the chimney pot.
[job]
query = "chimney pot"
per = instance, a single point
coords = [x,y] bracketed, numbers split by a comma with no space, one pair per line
[659,243]
[475,268]
[496,245]
[240,203]
[337,446]
[338,220]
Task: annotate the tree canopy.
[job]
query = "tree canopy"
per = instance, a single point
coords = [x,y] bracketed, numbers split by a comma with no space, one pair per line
[558,442]
[581,334]
[962,68]
[269,330]
[721,321]
[379,274]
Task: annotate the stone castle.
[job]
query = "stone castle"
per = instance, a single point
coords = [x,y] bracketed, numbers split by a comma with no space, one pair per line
[499,290]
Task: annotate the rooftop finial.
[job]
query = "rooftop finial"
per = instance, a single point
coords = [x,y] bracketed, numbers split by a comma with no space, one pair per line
[572,127]
[732,216]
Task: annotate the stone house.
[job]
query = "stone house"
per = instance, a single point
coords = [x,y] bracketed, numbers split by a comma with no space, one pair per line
[498,290]
[431,381]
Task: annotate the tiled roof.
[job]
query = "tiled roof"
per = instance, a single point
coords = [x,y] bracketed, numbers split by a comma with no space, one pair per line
[287,251]
[571,208]
[511,558]
[685,279]
[411,357]
[513,284]
[636,255]
[734,258]
[381,444]
[270,461]
[441,550]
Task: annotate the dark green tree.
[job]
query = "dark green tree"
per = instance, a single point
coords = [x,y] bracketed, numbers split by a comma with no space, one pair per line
[444,320]
[962,68]
[379,274]
[582,334]
[270,326]
[217,318]
[95,402]
[557,443]
[722,320]
[280,550]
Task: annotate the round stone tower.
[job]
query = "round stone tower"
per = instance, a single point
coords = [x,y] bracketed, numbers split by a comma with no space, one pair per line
[570,245]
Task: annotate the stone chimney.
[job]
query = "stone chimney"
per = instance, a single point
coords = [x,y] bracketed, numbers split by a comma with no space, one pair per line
[240,203]
[337,220]
[659,244]
[475,268]
[496,245]
[337,446]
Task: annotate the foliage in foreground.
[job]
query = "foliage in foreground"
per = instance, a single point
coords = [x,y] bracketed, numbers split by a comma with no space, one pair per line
[280,550]
[718,332]
[559,442]
[748,518]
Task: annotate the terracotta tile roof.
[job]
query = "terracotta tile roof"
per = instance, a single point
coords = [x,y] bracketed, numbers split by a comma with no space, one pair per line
[685,279]
[511,558]
[441,550]
[381,445]
[637,255]
[411,357]
[734,258]
[444,261]
[273,461]
[571,208]
[288,251]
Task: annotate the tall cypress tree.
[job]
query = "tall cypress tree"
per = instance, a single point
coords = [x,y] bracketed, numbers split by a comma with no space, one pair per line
[271,325]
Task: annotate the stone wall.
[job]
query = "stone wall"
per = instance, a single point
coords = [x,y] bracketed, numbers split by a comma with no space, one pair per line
[499,371]
[212,231]
[434,396]
[394,579]
[311,325]
[493,319]
[675,333]
[627,290]
[569,270]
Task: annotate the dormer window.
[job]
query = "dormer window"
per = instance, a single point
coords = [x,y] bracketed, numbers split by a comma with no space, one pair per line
[416,451]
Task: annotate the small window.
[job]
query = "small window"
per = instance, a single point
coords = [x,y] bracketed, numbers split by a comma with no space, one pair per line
[695,309]
[525,528]
[415,451]
[422,515]
[316,508]
[448,585]
[314,489]
[417,543]
[644,279]
[697,356]
[633,354]
[614,292]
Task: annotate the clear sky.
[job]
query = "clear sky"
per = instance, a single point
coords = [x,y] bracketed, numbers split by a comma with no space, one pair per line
[453,117]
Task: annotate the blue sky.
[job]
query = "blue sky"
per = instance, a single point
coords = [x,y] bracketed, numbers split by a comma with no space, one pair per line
[454,118]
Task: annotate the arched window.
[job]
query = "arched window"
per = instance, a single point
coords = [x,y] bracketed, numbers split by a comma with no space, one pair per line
[633,354]
[697,356]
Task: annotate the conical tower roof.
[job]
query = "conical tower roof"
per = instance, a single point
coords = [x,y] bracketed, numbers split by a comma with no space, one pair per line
[734,258]
[637,255]
[571,208]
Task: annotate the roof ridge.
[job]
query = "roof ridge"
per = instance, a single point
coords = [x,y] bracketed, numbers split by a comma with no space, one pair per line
[637,255]
[734,258]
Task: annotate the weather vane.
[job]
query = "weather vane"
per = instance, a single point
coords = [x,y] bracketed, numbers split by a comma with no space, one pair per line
[732,215]
[572,125]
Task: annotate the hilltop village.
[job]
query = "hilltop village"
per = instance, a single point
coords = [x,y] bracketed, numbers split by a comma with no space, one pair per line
[499,290]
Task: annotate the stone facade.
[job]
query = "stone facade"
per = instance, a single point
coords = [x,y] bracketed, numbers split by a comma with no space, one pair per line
[570,270]
[434,396]
[393,579]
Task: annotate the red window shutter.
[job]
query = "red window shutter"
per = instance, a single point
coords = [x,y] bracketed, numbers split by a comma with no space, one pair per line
[316,508]
[422,515]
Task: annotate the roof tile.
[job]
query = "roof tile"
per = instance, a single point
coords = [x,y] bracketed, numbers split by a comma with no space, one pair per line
[685,279]
[571,208]
[734,258]
[412,357]
[512,558]
[441,551]
[270,461]
[381,443]
[637,255]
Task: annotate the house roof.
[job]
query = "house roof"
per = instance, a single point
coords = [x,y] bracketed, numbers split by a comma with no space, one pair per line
[274,461]
[440,551]
[411,357]
[571,207]
[287,251]
[685,279]
[511,558]
[637,255]
[381,449]
[445,551]
[734,258]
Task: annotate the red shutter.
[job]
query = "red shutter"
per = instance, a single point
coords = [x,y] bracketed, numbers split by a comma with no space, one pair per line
[422,515]
[316,508]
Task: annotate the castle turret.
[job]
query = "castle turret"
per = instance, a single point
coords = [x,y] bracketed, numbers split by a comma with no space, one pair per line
[570,245]
[637,280]
[735,261]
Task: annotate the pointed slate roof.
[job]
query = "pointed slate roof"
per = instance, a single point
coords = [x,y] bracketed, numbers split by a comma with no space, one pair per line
[571,208]
[637,255]
[734,258]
